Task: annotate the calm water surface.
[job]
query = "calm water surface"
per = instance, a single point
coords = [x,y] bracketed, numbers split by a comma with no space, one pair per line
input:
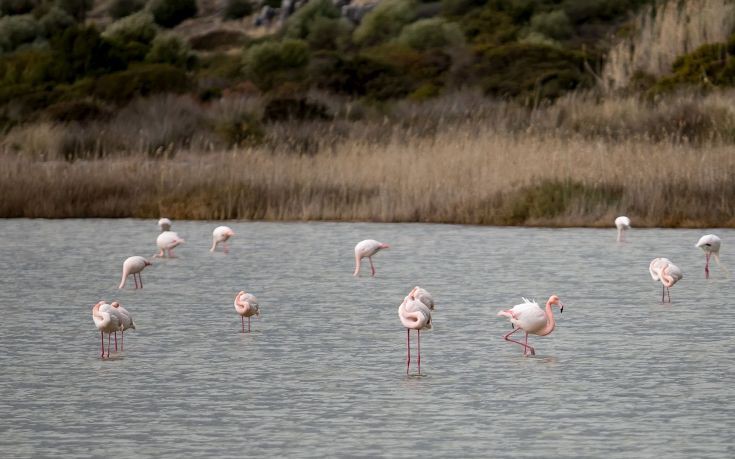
[322,373]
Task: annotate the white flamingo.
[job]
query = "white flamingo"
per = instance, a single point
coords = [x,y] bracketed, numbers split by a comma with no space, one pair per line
[529,317]
[247,306]
[166,242]
[132,266]
[710,244]
[164,224]
[367,248]
[221,234]
[622,223]
[106,321]
[662,269]
[415,314]
[126,320]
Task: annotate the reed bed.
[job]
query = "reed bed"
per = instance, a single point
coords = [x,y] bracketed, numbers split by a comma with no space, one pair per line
[467,173]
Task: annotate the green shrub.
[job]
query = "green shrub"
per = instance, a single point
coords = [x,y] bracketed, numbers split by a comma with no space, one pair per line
[169,48]
[359,76]
[121,8]
[76,8]
[236,9]
[169,13]
[327,33]
[489,27]
[431,33]
[554,24]
[81,51]
[243,130]
[18,30]
[272,63]
[76,110]
[29,67]
[141,80]
[385,21]
[55,21]
[220,38]
[300,24]
[139,27]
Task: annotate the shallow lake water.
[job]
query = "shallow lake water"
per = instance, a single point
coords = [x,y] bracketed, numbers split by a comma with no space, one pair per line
[323,371]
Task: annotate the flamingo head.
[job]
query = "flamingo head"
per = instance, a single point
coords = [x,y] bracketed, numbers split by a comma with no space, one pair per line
[412,295]
[230,233]
[554,300]
[147,263]
[384,246]
[115,304]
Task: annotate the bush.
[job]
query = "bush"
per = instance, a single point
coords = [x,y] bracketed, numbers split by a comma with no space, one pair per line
[141,80]
[12,7]
[385,21]
[431,33]
[327,33]
[169,13]
[139,27]
[554,24]
[288,109]
[76,110]
[236,9]
[81,51]
[17,30]
[169,49]
[242,130]
[121,8]
[489,27]
[299,25]
[272,63]
[76,8]
[214,39]
[55,21]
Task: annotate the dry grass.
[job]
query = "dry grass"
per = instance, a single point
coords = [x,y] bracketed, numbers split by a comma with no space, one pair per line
[464,174]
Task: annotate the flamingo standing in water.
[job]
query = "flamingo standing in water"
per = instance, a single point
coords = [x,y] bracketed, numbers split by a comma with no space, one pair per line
[367,248]
[221,234]
[164,224]
[710,244]
[529,317]
[622,223]
[133,265]
[166,242]
[106,322]
[126,320]
[662,269]
[415,314]
[247,306]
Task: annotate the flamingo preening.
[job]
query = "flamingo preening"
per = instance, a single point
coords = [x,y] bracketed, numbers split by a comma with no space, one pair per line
[662,269]
[415,314]
[106,321]
[247,306]
[529,317]
[367,248]
[126,321]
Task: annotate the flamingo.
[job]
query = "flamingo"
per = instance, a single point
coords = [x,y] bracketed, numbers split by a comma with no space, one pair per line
[164,224]
[246,305]
[710,244]
[415,314]
[529,317]
[126,320]
[367,248]
[133,265]
[662,269]
[166,242]
[622,223]
[106,322]
[221,234]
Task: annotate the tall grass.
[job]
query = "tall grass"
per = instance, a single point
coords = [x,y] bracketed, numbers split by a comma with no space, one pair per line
[663,31]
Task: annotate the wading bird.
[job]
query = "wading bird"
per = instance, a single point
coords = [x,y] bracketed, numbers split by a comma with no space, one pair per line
[622,223]
[367,248]
[126,320]
[247,306]
[106,322]
[132,266]
[166,242]
[710,244]
[530,318]
[221,234]
[415,314]
[662,269]
[164,224]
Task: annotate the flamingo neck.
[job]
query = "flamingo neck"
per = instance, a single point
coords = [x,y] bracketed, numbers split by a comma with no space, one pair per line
[550,322]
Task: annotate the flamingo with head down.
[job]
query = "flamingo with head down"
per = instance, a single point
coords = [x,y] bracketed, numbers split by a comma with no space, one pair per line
[167,242]
[530,318]
[132,266]
[247,306]
[220,235]
[710,245]
[622,223]
[367,248]
[415,314]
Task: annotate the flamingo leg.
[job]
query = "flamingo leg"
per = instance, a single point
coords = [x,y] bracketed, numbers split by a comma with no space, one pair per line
[531,351]
[102,344]
[507,338]
[115,341]
[372,267]
[135,280]
[706,266]
[663,290]
[243,323]
[248,324]
[418,335]
[224,248]
[140,277]
[668,292]
[408,349]
[108,345]
[122,340]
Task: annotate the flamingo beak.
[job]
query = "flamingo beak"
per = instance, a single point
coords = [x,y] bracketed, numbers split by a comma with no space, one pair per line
[561,307]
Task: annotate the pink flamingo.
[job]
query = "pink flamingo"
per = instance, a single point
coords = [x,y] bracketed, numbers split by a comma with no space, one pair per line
[367,248]
[133,265]
[126,322]
[106,322]
[662,269]
[167,241]
[622,223]
[710,244]
[415,314]
[221,234]
[247,306]
[529,317]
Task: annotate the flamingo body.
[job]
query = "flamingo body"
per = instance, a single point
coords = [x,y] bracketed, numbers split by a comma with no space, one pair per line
[106,321]
[220,235]
[415,314]
[164,224]
[126,322]
[166,242]
[132,266]
[367,248]
[710,245]
[622,223]
[246,305]
[533,320]
[663,270]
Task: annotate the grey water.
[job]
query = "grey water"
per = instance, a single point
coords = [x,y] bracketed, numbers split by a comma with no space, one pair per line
[323,371]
